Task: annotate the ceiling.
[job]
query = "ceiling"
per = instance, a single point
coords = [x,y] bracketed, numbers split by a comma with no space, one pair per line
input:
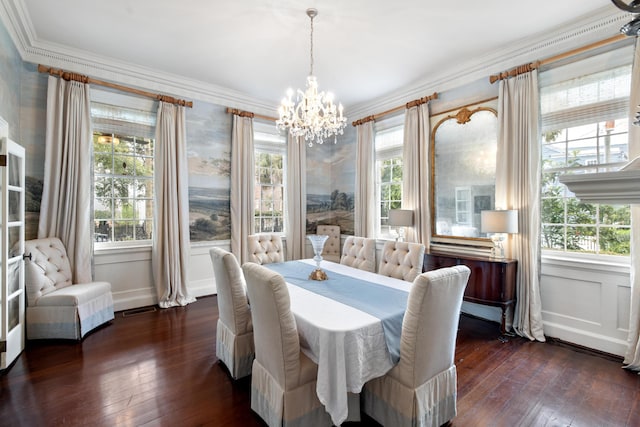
[363,49]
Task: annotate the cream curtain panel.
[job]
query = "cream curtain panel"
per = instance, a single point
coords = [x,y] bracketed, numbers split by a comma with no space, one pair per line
[415,181]
[632,357]
[365,197]
[65,210]
[296,197]
[170,250]
[242,178]
[518,179]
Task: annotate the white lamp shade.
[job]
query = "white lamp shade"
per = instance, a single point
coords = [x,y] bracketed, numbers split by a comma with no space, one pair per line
[499,221]
[400,217]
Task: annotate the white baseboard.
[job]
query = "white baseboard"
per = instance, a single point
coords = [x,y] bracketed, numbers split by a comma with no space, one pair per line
[586,339]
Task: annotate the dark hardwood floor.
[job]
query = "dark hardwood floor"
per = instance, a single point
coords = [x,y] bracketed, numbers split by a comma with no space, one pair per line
[159,369]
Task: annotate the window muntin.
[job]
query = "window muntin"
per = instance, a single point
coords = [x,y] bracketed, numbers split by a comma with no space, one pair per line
[123,158]
[585,129]
[123,187]
[389,168]
[269,188]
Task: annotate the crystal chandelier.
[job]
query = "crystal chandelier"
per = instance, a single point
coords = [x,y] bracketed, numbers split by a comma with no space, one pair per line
[315,116]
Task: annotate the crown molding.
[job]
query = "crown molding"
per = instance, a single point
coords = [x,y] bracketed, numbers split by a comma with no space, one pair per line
[587,29]
[16,20]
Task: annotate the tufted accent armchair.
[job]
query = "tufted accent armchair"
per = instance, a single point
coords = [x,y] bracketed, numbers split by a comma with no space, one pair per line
[265,248]
[57,307]
[359,252]
[331,251]
[401,260]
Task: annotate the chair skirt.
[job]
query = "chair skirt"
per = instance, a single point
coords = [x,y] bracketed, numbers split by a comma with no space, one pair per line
[235,351]
[298,407]
[71,312]
[391,403]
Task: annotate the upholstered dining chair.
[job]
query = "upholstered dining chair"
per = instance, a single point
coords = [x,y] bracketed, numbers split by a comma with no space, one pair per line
[283,379]
[401,260]
[421,389]
[359,252]
[57,308]
[331,250]
[234,331]
[265,248]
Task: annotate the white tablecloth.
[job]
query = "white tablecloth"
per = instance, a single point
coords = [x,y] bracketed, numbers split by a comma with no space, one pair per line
[347,344]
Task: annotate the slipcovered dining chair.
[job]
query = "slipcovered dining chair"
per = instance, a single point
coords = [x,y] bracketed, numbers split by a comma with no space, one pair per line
[234,331]
[421,389]
[283,380]
[265,248]
[401,260]
[57,308]
[331,250]
[359,252]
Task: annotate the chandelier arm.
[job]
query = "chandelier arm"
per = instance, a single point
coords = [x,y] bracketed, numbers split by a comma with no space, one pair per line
[632,7]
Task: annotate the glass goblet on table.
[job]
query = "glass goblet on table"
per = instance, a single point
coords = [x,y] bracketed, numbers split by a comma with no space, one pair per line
[317,243]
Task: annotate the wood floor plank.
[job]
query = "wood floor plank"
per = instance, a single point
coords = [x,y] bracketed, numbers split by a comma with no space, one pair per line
[159,368]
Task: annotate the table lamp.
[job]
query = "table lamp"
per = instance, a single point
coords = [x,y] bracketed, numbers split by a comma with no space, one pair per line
[500,223]
[400,218]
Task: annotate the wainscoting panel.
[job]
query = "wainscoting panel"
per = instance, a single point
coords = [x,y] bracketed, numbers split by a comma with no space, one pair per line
[586,303]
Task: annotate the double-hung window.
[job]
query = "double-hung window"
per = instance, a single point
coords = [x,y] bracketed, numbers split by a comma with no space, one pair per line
[388,146]
[269,191]
[123,155]
[584,112]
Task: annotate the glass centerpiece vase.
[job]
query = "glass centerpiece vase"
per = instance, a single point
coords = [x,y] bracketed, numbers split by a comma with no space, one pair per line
[317,243]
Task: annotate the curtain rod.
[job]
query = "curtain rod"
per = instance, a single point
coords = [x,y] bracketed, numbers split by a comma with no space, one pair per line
[534,65]
[408,105]
[67,75]
[242,113]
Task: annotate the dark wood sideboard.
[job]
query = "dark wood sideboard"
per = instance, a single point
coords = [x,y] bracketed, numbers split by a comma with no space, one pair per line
[492,282]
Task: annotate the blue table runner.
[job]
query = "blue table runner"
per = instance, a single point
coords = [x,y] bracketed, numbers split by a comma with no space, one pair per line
[385,303]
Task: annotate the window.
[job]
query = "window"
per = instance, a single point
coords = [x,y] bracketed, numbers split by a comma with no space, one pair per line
[584,129]
[269,190]
[123,155]
[388,145]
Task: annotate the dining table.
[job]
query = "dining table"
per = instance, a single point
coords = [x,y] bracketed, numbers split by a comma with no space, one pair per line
[349,325]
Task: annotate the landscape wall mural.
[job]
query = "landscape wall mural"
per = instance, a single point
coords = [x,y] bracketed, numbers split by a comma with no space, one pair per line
[331,183]
[209,157]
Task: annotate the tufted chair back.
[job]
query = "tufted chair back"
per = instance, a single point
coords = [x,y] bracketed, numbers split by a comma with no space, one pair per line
[359,252]
[401,260]
[49,269]
[331,251]
[265,248]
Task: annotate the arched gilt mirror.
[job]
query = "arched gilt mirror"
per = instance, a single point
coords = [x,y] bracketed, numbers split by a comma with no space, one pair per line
[463,155]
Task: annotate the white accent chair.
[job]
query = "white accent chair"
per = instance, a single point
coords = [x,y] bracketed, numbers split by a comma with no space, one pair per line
[265,248]
[283,379]
[234,331]
[331,250]
[359,252]
[401,260]
[57,308]
[421,389]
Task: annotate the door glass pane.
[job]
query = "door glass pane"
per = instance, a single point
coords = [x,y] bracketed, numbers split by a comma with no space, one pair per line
[14,170]
[14,241]
[14,312]
[13,276]
[14,206]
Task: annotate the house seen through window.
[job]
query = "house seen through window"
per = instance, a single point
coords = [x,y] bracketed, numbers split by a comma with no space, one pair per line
[269,189]
[584,129]
[388,146]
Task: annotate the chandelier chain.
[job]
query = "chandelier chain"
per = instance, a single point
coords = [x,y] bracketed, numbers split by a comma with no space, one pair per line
[311,44]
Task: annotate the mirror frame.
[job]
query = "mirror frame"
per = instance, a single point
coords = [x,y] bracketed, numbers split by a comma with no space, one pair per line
[462,115]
